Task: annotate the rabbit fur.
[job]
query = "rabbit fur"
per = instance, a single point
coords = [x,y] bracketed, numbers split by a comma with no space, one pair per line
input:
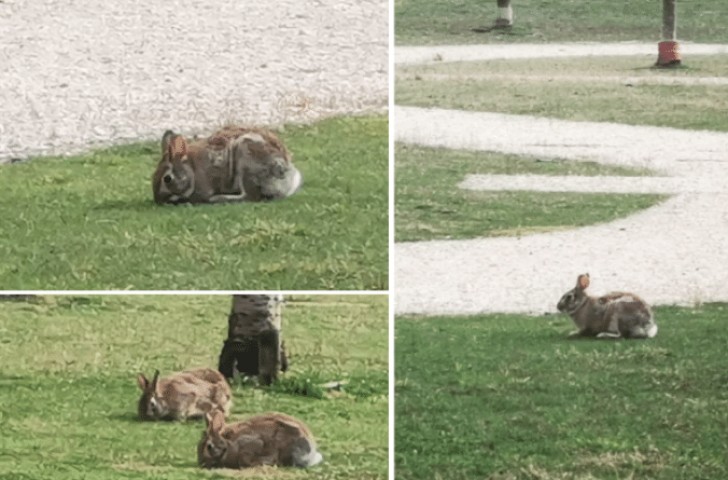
[615,315]
[183,395]
[234,164]
[266,439]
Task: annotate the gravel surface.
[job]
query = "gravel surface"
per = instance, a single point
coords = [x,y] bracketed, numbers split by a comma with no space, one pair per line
[77,73]
[593,184]
[469,53]
[674,253]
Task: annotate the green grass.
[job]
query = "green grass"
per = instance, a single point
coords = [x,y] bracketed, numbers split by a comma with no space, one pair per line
[68,392]
[573,89]
[509,397]
[540,21]
[89,222]
[429,205]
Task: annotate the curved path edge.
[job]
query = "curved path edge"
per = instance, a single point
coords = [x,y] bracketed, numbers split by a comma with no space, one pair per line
[673,253]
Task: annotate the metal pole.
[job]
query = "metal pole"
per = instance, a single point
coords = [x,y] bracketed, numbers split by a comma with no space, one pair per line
[505,14]
[669,20]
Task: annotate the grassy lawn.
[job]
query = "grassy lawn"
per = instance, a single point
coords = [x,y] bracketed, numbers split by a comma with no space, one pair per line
[536,21]
[68,390]
[509,397]
[616,89]
[89,222]
[429,205]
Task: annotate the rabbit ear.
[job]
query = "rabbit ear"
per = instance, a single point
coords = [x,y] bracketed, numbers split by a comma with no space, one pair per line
[166,139]
[583,281]
[216,421]
[177,147]
[142,382]
[154,380]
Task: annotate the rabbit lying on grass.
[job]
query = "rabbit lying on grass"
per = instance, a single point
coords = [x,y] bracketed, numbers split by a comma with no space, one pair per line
[615,315]
[183,395]
[266,439]
[234,164]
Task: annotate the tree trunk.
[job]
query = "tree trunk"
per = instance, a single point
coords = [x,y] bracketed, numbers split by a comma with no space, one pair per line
[254,345]
[505,14]
[668,49]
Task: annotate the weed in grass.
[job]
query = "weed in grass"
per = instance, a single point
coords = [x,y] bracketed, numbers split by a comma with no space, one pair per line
[68,392]
[509,396]
[429,205]
[89,222]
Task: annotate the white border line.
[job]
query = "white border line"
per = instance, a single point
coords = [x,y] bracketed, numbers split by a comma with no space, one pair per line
[391,282]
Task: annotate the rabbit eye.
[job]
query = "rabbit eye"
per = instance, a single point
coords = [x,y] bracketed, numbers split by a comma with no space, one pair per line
[167,178]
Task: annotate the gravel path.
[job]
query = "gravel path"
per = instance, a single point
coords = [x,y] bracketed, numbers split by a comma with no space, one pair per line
[594,184]
[674,253]
[469,53]
[77,73]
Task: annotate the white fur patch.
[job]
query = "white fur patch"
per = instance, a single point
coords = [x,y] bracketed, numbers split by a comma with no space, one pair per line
[253,137]
[625,298]
[609,335]
[314,458]
[652,330]
[296,184]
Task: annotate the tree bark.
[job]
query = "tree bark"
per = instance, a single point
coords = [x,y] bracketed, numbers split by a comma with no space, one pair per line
[254,345]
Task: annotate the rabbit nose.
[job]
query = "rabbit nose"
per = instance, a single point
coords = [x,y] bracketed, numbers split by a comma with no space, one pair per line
[167,178]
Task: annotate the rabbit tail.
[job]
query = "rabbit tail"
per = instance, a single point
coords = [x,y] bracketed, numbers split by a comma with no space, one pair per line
[648,331]
[305,454]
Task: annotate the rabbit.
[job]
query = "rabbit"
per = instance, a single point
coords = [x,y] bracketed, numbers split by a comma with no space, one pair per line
[615,315]
[266,439]
[183,395]
[234,164]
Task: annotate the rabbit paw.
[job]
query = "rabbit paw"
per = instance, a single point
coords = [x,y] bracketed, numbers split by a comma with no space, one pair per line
[609,335]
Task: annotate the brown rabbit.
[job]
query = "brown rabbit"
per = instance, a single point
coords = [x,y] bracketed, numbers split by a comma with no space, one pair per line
[266,439]
[183,395]
[234,164]
[615,315]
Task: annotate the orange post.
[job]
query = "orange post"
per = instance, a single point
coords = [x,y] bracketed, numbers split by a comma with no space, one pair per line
[668,50]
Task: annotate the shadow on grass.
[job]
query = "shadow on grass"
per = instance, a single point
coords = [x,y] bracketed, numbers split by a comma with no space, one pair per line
[16,380]
[126,417]
[135,205]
